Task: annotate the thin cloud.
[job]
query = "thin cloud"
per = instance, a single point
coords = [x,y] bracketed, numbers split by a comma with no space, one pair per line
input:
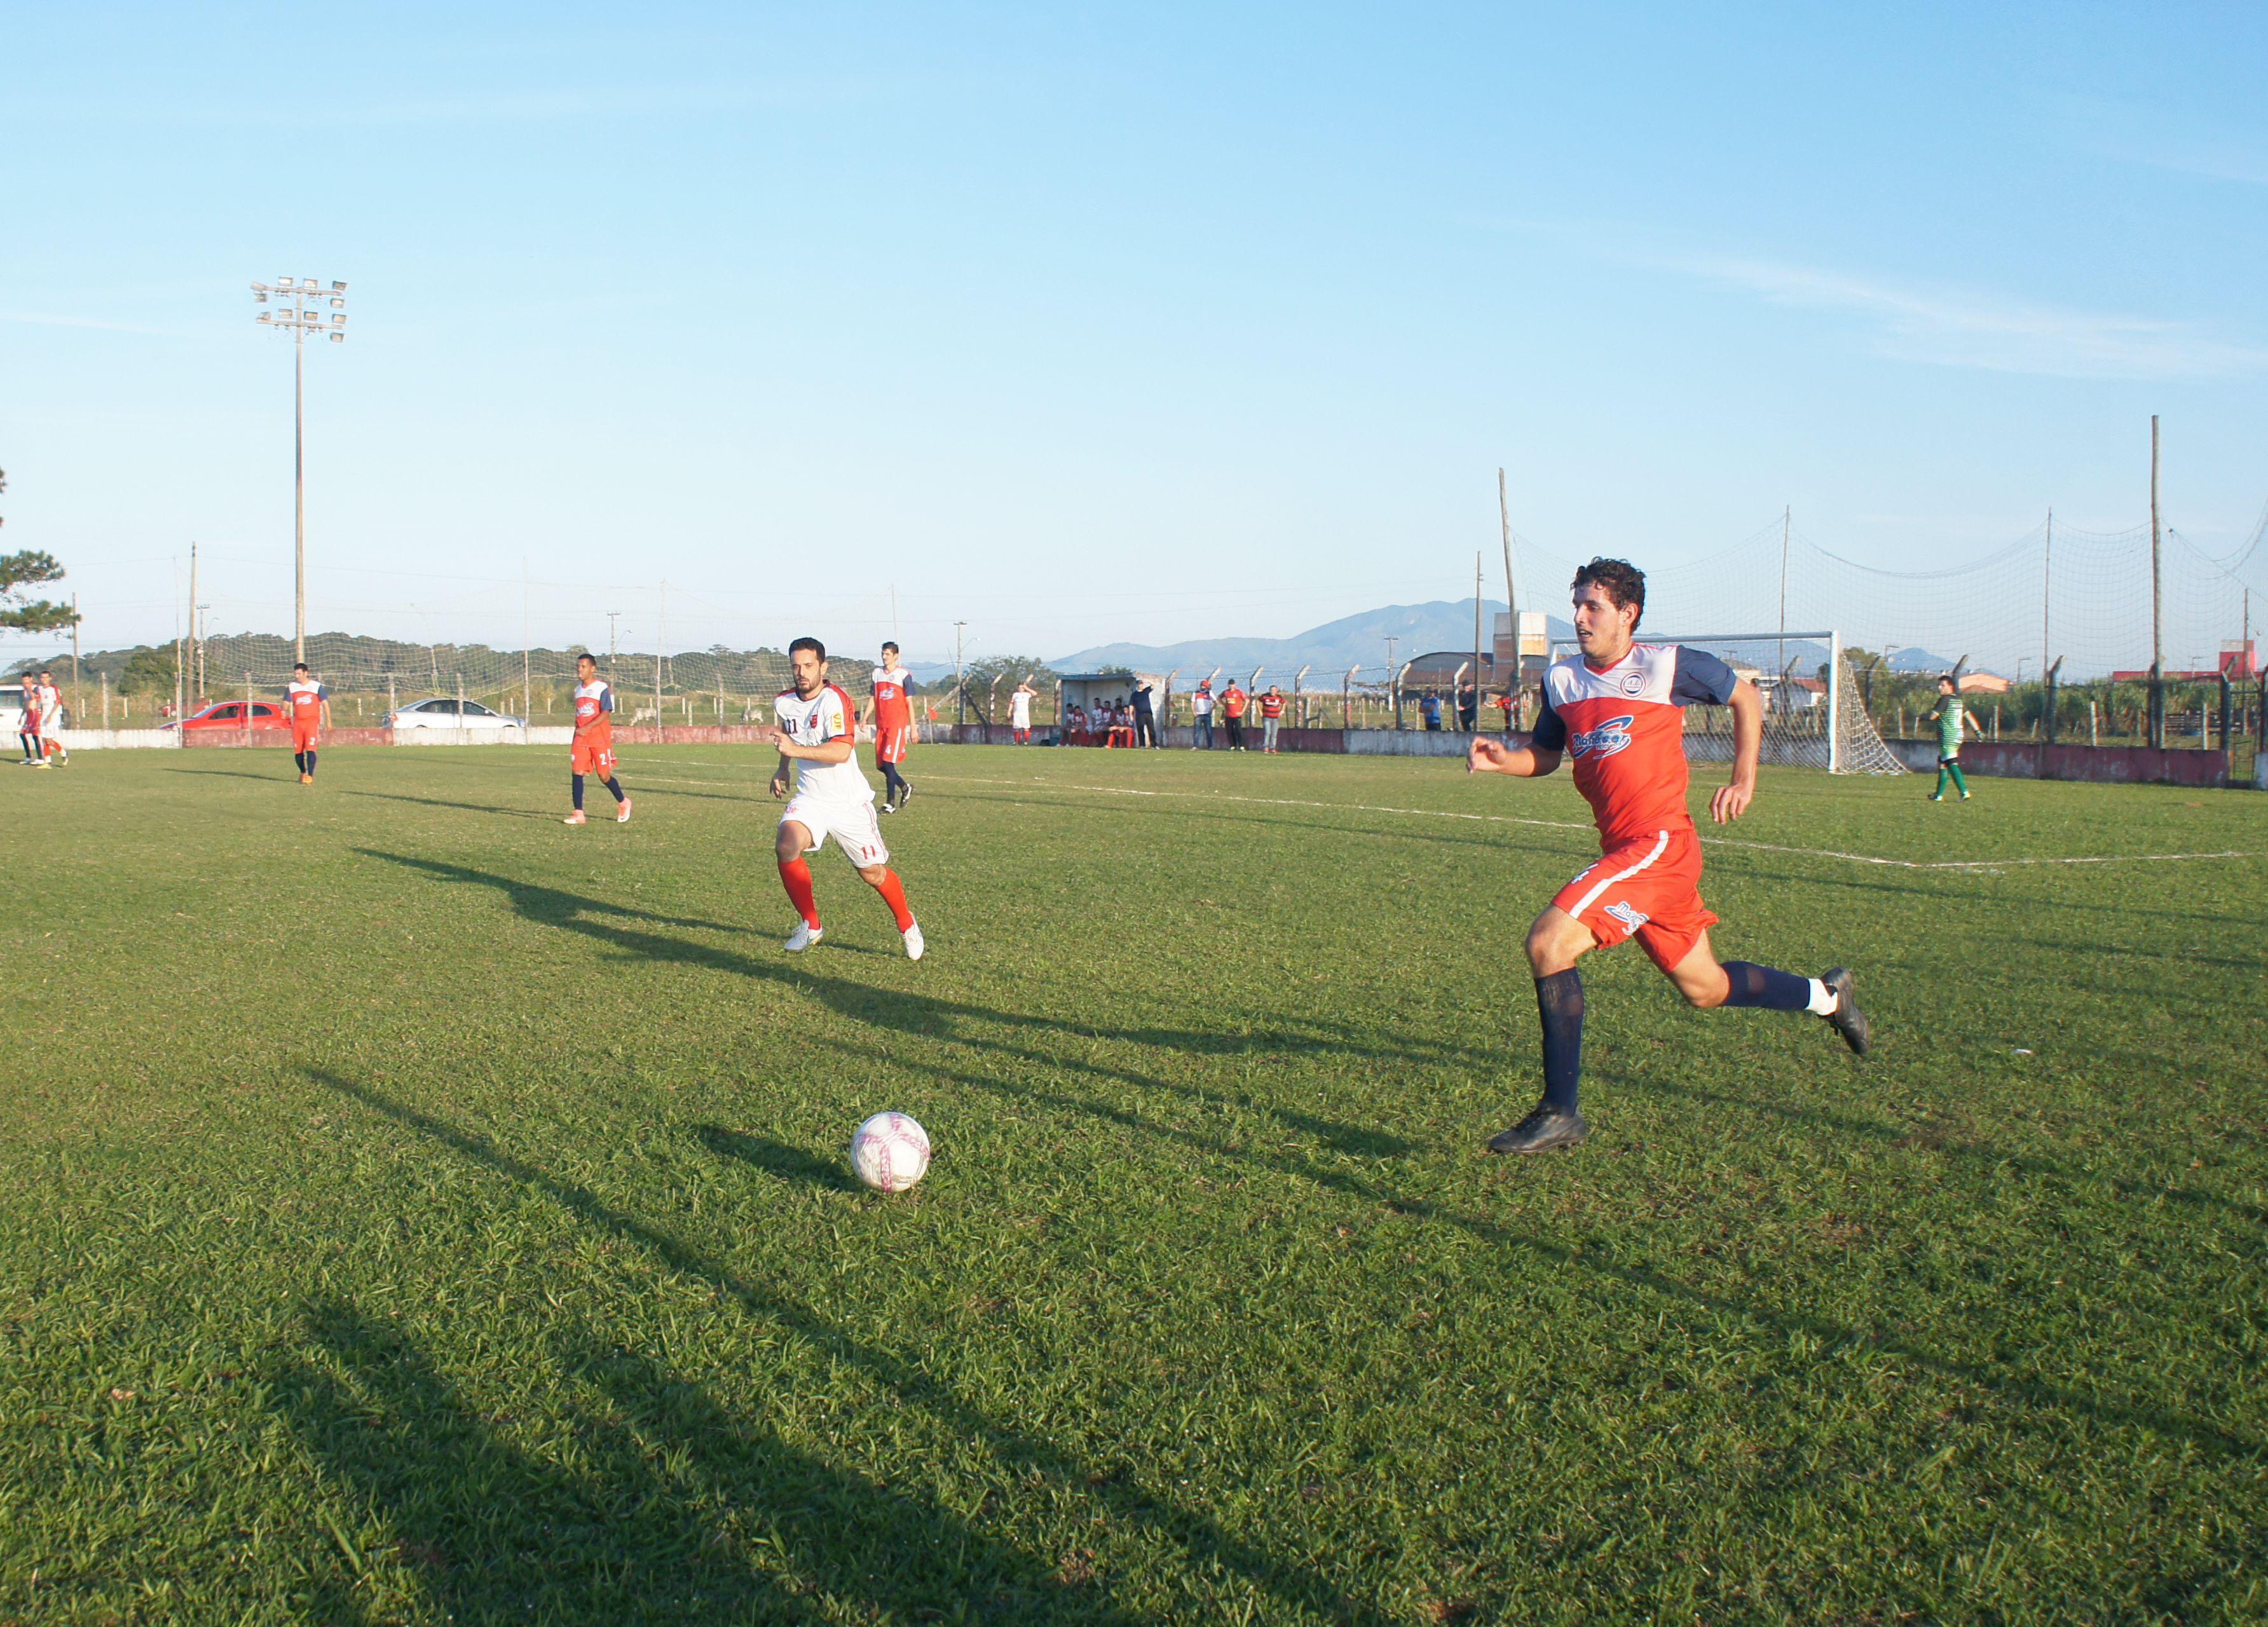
[1962,328]
[2177,139]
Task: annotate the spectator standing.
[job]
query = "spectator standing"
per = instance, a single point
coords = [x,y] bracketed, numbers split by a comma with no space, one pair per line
[1201,707]
[1146,721]
[1468,707]
[1233,700]
[1430,709]
[1019,713]
[1271,715]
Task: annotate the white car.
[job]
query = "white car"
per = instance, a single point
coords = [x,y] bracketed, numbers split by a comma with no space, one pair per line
[443,714]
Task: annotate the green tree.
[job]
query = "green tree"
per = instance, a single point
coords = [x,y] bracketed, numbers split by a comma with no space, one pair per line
[149,671]
[977,679]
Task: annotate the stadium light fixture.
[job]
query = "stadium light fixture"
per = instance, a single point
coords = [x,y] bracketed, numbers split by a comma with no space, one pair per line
[301,312]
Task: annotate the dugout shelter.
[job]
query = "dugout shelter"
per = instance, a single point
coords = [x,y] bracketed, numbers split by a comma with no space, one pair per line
[1088,690]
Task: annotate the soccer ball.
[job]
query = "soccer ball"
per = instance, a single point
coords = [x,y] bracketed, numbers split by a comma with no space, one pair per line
[890,1153]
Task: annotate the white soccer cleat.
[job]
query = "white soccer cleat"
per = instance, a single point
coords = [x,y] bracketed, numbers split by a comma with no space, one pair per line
[622,814]
[804,936]
[575,818]
[914,945]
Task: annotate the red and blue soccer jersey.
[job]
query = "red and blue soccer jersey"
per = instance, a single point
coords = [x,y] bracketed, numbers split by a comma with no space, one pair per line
[303,699]
[1624,727]
[593,749]
[894,714]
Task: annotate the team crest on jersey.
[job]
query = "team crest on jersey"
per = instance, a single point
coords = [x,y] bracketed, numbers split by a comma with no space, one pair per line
[1630,917]
[1603,741]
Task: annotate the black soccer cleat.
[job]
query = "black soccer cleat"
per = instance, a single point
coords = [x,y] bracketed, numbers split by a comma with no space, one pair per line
[905,791]
[1847,1019]
[1545,1127]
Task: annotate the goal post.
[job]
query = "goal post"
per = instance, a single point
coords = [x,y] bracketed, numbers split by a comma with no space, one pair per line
[1814,716]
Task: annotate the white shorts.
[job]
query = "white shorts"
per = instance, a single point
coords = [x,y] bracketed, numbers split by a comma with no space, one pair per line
[852,824]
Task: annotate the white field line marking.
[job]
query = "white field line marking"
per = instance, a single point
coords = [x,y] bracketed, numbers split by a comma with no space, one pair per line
[1556,824]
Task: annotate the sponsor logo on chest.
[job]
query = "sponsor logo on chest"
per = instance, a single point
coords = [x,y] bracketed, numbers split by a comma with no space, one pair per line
[1603,741]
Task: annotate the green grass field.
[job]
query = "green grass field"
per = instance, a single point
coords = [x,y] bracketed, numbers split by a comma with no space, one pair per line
[421,1212]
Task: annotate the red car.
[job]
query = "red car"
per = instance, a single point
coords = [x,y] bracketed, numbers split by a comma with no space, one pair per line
[229,715]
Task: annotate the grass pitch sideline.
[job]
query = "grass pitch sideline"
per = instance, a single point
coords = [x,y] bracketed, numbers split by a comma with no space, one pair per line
[423,1211]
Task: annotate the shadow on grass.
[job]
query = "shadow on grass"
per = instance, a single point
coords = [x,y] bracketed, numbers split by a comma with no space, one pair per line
[2010,1386]
[469,807]
[660,1506]
[775,1157]
[919,1014]
[1204,1544]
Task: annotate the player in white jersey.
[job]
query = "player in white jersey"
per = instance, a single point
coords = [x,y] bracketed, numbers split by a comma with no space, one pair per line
[51,718]
[817,736]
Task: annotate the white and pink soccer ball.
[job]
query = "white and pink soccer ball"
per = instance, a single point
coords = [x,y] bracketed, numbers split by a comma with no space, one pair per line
[890,1153]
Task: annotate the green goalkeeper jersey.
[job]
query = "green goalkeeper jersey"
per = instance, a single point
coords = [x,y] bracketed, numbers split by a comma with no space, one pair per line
[1951,714]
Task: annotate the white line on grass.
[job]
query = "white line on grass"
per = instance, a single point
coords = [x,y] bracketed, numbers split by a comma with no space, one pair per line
[1557,824]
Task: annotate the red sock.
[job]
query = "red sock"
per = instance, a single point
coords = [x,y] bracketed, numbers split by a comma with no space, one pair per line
[893,895]
[795,875]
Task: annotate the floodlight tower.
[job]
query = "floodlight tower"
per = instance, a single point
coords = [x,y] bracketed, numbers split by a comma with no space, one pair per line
[302,311]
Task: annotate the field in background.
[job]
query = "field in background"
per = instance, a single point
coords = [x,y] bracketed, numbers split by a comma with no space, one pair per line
[421,1211]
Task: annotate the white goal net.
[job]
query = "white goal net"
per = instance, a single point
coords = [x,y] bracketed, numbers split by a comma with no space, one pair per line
[1813,714]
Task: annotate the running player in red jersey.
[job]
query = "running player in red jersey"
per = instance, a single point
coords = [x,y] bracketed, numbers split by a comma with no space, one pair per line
[1619,711]
[592,751]
[894,728]
[310,706]
[817,737]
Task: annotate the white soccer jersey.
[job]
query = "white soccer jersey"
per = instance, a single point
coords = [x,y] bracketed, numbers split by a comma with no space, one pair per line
[827,715]
[51,709]
[1020,710]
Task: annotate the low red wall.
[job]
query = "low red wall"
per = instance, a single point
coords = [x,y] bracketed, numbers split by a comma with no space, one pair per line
[280,739]
[696,734]
[2113,765]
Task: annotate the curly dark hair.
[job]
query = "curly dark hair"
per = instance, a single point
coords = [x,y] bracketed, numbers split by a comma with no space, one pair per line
[812,645]
[1623,581]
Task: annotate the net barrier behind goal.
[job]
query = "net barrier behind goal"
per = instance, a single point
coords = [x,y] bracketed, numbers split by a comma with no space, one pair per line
[1813,714]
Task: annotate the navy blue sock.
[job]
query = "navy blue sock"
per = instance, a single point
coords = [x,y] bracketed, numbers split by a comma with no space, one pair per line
[1761,985]
[577,780]
[891,780]
[613,784]
[299,760]
[311,763]
[1559,1003]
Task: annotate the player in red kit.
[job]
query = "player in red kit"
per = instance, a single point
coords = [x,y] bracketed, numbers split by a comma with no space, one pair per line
[592,749]
[1618,710]
[817,736]
[893,727]
[309,704]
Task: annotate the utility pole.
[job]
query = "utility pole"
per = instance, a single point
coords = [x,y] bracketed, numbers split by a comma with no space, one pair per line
[78,716]
[657,638]
[2157,615]
[613,620]
[1477,643]
[2047,583]
[1511,599]
[196,671]
[301,314]
[960,694]
[1787,523]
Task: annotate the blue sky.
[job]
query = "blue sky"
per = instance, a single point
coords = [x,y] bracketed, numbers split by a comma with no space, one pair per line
[1095,323]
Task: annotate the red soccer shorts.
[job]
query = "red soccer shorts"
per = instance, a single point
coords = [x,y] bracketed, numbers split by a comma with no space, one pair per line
[303,737]
[586,758]
[890,744]
[1649,886]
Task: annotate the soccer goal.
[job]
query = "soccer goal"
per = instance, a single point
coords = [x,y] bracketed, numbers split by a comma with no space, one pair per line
[1813,715]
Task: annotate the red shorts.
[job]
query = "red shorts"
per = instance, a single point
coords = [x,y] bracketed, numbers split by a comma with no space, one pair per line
[890,744]
[592,757]
[303,736]
[1648,885]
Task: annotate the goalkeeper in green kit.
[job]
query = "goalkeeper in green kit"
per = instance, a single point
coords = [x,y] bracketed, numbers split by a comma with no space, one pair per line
[1950,718]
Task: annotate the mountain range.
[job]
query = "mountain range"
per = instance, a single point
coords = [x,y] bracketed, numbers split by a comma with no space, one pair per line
[1330,648]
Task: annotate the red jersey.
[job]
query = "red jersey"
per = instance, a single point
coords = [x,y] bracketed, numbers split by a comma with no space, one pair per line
[594,705]
[1232,701]
[304,697]
[892,710]
[1271,706]
[1625,729]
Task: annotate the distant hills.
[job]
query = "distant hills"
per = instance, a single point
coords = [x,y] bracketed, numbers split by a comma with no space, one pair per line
[1330,648]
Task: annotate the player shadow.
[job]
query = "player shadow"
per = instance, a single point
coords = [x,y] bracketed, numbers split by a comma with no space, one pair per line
[547,905]
[290,778]
[924,1015]
[775,1157]
[1205,1543]
[668,1504]
[2036,1393]
[469,807]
